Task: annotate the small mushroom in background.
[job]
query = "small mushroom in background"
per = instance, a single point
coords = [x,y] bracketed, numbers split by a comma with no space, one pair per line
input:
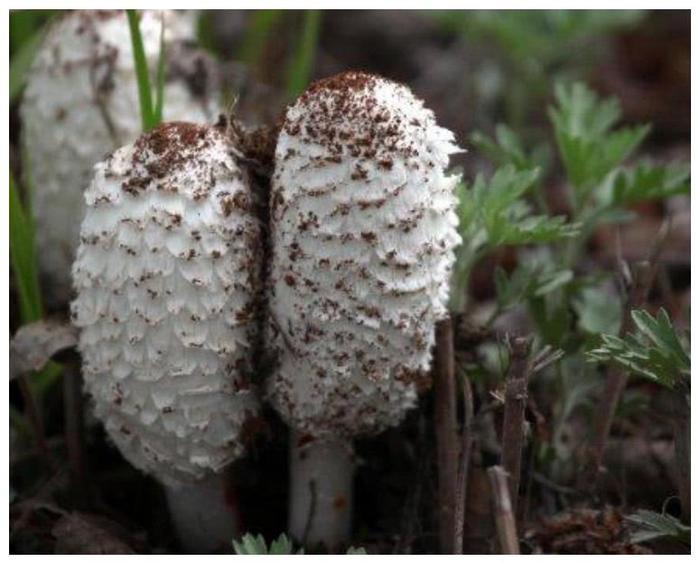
[81,102]
[168,282]
[363,228]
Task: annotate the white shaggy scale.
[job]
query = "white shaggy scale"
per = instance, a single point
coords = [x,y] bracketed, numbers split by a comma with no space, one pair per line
[167,279]
[80,103]
[363,232]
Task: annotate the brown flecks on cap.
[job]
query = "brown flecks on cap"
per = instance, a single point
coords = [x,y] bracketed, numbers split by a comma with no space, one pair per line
[345,81]
[165,150]
[343,114]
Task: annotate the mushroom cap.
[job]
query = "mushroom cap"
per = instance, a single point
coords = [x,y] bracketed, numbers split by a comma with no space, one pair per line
[80,103]
[363,229]
[168,280]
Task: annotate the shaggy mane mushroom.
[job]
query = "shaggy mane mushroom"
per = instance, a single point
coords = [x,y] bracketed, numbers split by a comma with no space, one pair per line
[168,280]
[363,228]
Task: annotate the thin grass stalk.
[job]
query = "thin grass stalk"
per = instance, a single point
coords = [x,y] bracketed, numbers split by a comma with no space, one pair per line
[23,258]
[257,33]
[160,77]
[299,71]
[141,66]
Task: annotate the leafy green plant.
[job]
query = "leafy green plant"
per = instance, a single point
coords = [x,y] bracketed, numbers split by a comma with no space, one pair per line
[493,213]
[569,306]
[509,208]
[299,69]
[593,151]
[652,525]
[589,147]
[151,113]
[654,350]
[255,544]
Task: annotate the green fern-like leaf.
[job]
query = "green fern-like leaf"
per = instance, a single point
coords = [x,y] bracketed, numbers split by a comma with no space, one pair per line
[654,350]
[589,146]
[652,525]
[255,544]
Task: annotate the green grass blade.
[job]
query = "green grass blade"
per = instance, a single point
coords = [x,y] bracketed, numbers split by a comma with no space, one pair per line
[23,258]
[257,33]
[205,33]
[299,69]
[160,78]
[21,62]
[141,65]
[24,24]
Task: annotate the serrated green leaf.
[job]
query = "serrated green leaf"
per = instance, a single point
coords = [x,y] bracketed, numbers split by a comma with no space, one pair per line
[654,351]
[644,181]
[494,212]
[527,281]
[657,525]
[660,331]
[536,229]
[282,545]
[250,545]
[588,146]
[255,545]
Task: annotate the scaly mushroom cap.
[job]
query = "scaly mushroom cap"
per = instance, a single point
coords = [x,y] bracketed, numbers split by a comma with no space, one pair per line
[167,277]
[80,103]
[363,231]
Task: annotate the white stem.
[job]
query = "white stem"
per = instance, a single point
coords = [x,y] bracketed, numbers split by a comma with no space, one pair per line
[205,515]
[321,474]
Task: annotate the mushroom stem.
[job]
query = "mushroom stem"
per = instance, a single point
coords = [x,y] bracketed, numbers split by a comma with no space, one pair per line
[204,514]
[321,476]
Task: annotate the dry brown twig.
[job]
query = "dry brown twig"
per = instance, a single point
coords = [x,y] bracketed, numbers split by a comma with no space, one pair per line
[446,433]
[681,435]
[73,430]
[504,513]
[514,413]
[463,472]
[636,286]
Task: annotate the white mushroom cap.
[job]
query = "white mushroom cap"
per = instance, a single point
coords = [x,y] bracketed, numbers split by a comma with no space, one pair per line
[167,277]
[80,103]
[363,231]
